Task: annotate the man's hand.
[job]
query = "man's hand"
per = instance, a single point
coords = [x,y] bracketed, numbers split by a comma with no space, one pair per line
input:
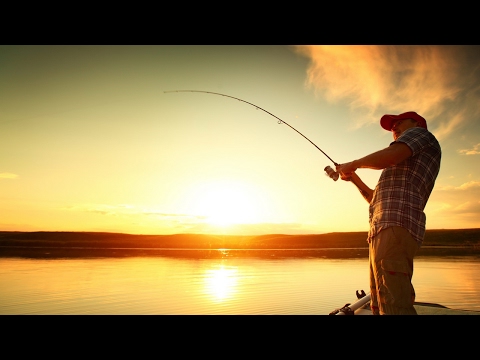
[346,170]
[347,173]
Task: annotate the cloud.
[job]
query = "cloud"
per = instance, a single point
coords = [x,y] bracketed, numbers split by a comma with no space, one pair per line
[242,229]
[469,185]
[102,209]
[184,223]
[439,82]
[474,151]
[8,176]
[469,207]
[125,209]
[466,186]
[447,127]
[459,202]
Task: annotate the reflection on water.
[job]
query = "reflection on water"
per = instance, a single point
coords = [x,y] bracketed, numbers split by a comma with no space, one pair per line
[220,283]
[213,285]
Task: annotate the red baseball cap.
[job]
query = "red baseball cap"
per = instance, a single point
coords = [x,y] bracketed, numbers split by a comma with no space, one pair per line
[387,121]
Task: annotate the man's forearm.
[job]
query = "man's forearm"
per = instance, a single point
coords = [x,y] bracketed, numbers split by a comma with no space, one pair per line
[384,158]
[366,192]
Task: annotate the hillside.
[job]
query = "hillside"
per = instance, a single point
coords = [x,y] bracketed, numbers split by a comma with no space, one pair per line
[446,237]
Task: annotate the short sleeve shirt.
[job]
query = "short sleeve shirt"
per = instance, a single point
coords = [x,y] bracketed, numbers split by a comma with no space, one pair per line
[403,189]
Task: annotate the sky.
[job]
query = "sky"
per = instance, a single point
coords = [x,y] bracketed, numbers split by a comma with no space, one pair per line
[95,138]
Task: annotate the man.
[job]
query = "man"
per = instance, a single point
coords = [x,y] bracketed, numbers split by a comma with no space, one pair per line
[397,221]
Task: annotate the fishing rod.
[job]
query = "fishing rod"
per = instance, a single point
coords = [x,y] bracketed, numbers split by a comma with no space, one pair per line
[330,172]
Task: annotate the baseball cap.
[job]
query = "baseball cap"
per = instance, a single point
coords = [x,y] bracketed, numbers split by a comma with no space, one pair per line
[387,121]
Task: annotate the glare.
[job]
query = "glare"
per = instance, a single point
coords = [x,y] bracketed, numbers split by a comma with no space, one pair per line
[227,203]
[221,283]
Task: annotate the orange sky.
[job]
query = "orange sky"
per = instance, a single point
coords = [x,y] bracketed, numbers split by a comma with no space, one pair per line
[90,141]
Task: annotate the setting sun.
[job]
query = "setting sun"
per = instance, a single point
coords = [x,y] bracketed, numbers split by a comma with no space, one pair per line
[225,203]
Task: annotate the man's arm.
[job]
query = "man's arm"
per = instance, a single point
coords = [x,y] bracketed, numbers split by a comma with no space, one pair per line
[366,192]
[392,155]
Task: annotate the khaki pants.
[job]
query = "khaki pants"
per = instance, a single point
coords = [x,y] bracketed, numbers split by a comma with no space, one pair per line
[391,268]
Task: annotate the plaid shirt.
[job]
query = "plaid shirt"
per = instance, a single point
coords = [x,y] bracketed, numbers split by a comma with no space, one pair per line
[403,189]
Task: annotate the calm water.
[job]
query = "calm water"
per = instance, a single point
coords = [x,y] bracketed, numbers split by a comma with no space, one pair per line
[231,285]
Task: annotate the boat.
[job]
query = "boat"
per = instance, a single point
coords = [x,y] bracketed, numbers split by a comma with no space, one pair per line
[361,306]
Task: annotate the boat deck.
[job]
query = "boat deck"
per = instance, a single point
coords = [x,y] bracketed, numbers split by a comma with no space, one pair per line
[362,307]
[425,309]
[433,309]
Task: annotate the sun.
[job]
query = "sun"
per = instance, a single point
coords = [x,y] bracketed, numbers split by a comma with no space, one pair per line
[225,203]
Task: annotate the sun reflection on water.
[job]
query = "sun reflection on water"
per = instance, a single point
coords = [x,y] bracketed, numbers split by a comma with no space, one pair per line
[221,283]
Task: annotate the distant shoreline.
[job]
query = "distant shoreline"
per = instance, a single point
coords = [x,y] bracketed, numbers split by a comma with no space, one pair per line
[455,237]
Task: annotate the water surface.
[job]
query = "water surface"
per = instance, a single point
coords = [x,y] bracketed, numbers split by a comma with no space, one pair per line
[216,285]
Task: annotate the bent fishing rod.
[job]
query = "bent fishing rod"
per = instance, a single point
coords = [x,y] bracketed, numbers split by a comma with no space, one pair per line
[330,172]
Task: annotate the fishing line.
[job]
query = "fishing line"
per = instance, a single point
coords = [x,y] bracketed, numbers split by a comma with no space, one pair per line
[280,121]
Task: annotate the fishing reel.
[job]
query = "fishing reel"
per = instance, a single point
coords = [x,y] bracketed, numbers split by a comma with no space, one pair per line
[331,173]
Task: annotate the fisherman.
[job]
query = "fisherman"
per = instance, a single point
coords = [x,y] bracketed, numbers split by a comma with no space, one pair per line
[396,213]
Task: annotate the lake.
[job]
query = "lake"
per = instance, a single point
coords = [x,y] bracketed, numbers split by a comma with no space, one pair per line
[232,283]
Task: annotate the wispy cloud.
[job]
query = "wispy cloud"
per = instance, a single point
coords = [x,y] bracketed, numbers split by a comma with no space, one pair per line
[459,202]
[469,185]
[466,186]
[434,81]
[125,209]
[8,176]
[102,209]
[183,223]
[469,207]
[474,151]
[242,229]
